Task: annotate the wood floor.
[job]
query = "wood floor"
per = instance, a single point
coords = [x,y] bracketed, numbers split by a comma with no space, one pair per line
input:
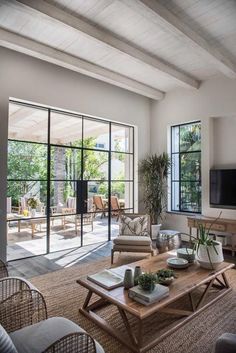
[43,264]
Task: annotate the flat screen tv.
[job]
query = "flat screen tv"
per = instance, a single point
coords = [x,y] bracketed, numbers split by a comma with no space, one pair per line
[223,188]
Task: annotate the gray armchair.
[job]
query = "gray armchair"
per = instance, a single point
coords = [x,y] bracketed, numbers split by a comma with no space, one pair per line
[27,329]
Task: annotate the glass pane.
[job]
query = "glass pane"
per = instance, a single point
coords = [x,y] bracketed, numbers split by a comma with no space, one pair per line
[27,123]
[175,139]
[27,160]
[66,129]
[65,232]
[96,134]
[95,228]
[191,166]
[191,196]
[190,137]
[26,226]
[65,163]
[123,191]
[63,197]
[121,166]
[95,165]
[18,193]
[175,196]
[175,167]
[100,189]
[121,138]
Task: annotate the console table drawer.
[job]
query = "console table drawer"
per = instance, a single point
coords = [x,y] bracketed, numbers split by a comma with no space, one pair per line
[217,227]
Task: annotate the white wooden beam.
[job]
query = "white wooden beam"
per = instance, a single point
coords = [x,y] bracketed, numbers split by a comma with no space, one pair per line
[27,46]
[159,14]
[109,40]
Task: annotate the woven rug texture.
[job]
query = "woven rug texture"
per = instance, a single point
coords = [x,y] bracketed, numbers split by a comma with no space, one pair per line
[64,297]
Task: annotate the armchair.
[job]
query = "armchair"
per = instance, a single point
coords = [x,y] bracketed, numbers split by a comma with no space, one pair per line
[134,235]
[31,331]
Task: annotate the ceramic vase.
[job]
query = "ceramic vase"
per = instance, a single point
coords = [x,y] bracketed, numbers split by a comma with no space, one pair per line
[128,279]
[137,273]
[210,257]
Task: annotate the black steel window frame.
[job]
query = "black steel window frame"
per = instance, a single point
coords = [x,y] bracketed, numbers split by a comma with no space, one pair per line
[180,181]
[82,148]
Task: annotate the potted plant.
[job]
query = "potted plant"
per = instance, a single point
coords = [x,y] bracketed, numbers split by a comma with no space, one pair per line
[33,203]
[209,252]
[147,281]
[153,172]
[165,276]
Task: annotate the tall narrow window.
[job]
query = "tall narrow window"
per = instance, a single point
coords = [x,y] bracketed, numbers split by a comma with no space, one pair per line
[186,167]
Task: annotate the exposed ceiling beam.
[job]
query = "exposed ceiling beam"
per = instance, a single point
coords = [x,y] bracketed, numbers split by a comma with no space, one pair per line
[30,47]
[107,38]
[159,14]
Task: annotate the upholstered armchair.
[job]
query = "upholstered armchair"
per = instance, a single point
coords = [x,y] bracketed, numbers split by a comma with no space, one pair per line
[134,235]
[26,328]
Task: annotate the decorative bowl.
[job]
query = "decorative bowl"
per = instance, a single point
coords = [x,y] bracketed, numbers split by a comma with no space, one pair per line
[187,254]
[178,263]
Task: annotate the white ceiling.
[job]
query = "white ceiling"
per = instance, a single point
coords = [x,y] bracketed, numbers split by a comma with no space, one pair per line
[213,20]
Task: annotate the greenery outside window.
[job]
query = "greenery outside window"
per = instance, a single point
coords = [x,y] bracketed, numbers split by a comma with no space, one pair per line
[186,167]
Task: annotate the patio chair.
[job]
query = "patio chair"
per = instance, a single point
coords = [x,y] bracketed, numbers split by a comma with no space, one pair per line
[134,235]
[99,205]
[76,219]
[26,328]
[116,210]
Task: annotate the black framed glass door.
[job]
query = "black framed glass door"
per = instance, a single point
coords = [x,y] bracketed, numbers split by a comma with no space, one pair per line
[84,171]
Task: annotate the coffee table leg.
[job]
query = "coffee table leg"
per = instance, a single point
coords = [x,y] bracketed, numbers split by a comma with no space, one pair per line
[128,328]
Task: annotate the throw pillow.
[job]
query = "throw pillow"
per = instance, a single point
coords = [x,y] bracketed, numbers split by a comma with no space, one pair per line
[136,226]
[6,344]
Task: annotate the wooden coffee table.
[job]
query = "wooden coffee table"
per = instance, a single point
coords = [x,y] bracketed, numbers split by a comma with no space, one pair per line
[190,281]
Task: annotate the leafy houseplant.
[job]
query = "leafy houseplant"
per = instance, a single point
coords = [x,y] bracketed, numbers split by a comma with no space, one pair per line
[153,175]
[147,281]
[208,251]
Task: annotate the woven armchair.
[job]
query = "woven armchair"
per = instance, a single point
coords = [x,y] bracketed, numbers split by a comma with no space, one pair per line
[24,315]
[11,285]
[3,269]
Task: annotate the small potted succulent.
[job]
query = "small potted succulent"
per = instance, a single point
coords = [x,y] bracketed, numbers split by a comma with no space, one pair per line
[147,281]
[165,276]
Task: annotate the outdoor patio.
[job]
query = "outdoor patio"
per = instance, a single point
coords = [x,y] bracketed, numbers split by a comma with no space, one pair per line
[22,244]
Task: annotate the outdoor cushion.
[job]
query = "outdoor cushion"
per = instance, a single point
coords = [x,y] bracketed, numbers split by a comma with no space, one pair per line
[36,338]
[6,344]
[134,240]
[136,226]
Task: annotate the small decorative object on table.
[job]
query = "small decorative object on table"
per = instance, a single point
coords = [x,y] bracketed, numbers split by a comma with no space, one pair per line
[128,279]
[33,203]
[187,254]
[137,273]
[165,276]
[175,262]
[147,281]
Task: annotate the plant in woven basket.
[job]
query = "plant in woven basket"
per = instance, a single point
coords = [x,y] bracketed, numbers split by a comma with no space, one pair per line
[147,281]
[153,174]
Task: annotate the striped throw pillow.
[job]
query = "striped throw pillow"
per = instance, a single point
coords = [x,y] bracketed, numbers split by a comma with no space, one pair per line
[6,344]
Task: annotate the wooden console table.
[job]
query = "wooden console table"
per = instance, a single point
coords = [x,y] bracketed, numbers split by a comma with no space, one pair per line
[223,225]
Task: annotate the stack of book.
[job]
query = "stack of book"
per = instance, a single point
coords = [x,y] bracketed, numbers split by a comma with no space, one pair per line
[147,298]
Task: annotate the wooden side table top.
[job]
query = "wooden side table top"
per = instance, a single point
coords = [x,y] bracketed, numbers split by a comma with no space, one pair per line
[187,280]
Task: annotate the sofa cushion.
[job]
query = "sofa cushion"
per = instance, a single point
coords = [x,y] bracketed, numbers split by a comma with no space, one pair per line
[6,344]
[135,226]
[36,338]
[134,240]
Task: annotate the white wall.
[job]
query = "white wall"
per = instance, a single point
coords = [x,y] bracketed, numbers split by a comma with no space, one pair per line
[33,80]
[215,98]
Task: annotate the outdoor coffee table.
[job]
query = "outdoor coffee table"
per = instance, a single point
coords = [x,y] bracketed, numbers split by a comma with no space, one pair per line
[189,281]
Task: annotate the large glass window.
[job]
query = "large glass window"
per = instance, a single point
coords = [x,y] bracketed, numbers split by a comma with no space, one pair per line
[186,167]
[70,177]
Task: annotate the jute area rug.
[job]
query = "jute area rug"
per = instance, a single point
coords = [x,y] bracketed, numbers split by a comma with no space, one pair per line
[64,297]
